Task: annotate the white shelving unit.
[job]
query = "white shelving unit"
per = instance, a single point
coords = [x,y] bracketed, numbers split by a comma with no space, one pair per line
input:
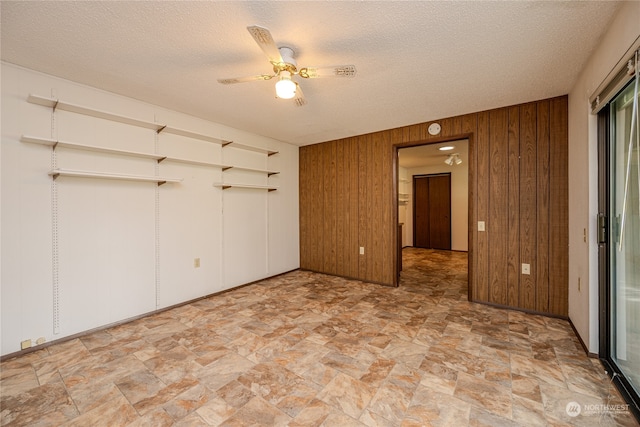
[225,186]
[158,127]
[76,146]
[55,173]
[248,148]
[57,104]
[158,157]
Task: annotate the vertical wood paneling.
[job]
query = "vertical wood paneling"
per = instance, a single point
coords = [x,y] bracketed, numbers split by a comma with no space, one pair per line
[364,220]
[329,193]
[482,205]
[528,168]
[341,208]
[376,196]
[559,207]
[447,129]
[354,208]
[469,125]
[517,185]
[304,200]
[498,205]
[513,245]
[542,217]
[314,214]
[389,212]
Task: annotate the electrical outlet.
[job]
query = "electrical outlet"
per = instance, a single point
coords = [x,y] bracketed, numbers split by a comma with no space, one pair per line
[25,344]
[526,268]
[196,262]
[480,225]
[41,340]
[361,250]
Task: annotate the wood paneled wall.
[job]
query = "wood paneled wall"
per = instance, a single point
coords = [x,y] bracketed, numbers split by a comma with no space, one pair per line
[518,185]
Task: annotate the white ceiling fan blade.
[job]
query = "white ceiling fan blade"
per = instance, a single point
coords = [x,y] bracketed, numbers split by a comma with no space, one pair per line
[262,36]
[299,99]
[245,79]
[334,71]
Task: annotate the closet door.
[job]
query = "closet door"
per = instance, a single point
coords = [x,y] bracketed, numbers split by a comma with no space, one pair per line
[432,211]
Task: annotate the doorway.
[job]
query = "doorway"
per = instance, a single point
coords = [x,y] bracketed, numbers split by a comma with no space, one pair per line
[432,211]
[445,157]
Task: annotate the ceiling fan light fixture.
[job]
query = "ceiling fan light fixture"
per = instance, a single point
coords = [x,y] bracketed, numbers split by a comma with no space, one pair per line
[285,87]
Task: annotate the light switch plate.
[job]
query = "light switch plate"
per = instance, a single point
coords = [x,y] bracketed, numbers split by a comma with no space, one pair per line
[480,225]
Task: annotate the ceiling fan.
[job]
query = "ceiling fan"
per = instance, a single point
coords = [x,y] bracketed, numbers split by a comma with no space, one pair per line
[285,68]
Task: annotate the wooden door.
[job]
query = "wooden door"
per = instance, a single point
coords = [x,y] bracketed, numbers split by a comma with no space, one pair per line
[432,211]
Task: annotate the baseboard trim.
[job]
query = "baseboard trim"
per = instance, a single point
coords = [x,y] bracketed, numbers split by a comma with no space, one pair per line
[584,347]
[523,310]
[131,319]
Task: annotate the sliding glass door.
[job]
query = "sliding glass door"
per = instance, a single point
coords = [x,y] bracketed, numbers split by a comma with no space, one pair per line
[620,240]
[625,248]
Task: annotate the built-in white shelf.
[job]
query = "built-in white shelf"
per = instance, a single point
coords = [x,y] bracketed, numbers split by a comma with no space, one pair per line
[55,173]
[190,134]
[225,186]
[158,157]
[194,162]
[76,146]
[268,172]
[158,127]
[56,104]
[249,147]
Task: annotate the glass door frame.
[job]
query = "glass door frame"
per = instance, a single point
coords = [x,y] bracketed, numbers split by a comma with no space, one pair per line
[604,265]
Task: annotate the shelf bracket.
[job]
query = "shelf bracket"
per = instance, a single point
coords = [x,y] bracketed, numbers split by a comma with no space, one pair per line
[271,153]
[225,143]
[226,168]
[271,189]
[161,129]
[224,187]
[161,182]
[55,105]
[54,176]
[272,173]
[161,159]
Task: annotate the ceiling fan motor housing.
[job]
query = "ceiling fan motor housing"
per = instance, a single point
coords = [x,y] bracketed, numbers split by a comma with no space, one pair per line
[287,57]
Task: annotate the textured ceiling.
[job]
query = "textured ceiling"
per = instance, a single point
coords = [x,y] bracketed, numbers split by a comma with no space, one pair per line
[416,61]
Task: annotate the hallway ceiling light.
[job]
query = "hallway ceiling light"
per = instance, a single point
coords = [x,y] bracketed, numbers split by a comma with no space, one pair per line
[446,148]
[453,159]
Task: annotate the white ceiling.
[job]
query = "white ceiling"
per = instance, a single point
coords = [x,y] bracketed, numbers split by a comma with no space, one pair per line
[416,60]
[431,155]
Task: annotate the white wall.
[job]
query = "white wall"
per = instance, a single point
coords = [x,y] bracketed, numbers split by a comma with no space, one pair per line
[120,248]
[583,172]
[459,199]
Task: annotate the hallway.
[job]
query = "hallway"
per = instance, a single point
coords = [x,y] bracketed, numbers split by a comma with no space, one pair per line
[308,349]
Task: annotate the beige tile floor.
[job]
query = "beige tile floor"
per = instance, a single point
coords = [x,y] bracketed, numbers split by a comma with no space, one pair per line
[306,349]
